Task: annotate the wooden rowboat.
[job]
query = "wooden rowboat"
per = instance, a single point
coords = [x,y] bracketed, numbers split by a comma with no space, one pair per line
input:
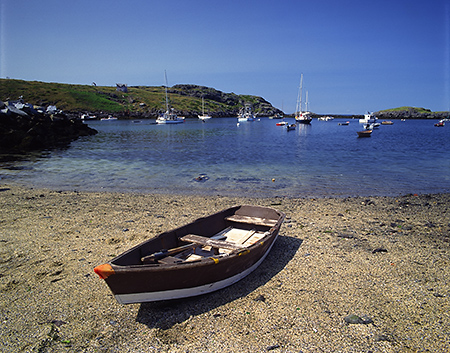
[365,133]
[201,257]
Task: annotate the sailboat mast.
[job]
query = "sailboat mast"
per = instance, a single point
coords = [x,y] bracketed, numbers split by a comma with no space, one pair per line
[167,97]
[299,98]
[301,92]
[306,102]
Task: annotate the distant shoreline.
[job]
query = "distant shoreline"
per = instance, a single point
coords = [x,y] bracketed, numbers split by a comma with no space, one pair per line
[144,102]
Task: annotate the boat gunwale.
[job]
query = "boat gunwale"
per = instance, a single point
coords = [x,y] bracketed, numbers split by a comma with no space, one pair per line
[206,261]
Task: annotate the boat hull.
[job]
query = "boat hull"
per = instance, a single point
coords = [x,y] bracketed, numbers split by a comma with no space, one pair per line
[169,121]
[178,293]
[133,281]
[303,121]
[365,133]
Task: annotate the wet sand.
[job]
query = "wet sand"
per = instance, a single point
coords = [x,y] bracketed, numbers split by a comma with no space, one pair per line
[364,274]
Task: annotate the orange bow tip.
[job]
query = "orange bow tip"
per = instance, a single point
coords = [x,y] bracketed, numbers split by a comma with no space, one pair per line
[104,271]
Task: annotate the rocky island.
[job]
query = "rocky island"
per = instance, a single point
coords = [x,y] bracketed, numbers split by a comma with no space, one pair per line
[410,113]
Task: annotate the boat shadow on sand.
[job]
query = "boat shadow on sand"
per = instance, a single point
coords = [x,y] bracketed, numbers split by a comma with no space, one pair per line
[165,314]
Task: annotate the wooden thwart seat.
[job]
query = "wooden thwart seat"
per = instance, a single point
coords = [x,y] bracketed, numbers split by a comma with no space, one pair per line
[169,260]
[215,243]
[253,220]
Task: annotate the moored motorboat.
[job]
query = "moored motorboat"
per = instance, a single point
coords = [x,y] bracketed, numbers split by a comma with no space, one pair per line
[440,124]
[277,116]
[369,118]
[201,257]
[109,118]
[169,117]
[281,123]
[246,114]
[88,117]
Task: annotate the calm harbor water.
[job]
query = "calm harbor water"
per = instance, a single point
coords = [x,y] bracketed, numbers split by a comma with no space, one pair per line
[250,159]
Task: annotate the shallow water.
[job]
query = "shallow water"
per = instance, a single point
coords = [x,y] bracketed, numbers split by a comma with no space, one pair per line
[250,159]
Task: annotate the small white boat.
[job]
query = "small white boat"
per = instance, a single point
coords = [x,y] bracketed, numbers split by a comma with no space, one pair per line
[277,116]
[372,126]
[203,116]
[88,117]
[325,118]
[109,118]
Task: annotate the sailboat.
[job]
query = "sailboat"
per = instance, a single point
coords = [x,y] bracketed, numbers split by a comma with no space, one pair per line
[203,116]
[169,116]
[300,116]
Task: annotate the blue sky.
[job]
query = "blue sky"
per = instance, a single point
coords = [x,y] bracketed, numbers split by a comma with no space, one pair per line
[356,56]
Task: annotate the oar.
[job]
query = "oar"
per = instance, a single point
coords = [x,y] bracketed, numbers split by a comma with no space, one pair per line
[164,253]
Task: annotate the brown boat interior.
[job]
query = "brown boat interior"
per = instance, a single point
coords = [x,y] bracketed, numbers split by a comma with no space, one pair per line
[198,247]
[218,235]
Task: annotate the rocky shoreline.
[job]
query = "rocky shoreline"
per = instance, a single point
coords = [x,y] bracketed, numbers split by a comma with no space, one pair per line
[24,127]
[352,274]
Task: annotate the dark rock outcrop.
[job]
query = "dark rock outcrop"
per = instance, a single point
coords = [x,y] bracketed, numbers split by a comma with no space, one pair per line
[206,93]
[24,127]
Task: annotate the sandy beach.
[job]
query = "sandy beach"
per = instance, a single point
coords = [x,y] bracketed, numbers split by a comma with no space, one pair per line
[360,274]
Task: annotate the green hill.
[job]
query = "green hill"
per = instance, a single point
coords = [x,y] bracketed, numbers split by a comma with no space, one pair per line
[143,101]
[408,109]
[410,113]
